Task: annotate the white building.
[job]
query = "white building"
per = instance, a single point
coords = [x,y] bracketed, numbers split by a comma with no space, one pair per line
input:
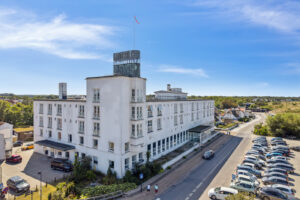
[116,125]
[6,131]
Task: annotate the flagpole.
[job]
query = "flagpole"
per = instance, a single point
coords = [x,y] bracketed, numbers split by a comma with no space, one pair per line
[133,34]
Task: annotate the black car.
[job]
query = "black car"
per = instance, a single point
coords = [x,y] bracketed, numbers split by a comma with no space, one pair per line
[18,144]
[61,164]
[208,155]
[17,184]
[268,193]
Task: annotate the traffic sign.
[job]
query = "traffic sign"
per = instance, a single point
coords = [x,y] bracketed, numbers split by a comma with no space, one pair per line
[141,176]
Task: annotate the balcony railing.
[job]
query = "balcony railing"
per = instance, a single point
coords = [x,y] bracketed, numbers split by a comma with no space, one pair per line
[81,131]
[81,115]
[58,114]
[59,128]
[133,118]
[96,117]
[136,99]
[49,112]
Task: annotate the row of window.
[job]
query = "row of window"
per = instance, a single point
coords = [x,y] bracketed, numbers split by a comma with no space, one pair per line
[134,160]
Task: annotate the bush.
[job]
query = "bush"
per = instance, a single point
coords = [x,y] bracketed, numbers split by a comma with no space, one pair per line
[241,196]
[91,176]
[169,167]
[81,167]
[106,189]
[282,125]
[260,129]
[184,157]
[110,178]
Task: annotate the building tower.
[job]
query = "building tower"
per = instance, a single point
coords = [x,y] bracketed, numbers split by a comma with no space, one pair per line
[127,63]
[62,90]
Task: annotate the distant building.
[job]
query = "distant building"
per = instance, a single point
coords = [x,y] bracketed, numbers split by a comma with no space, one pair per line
[6,134]
[115,125]
[24,134]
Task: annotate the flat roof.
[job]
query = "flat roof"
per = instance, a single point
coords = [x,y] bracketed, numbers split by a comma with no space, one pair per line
[63,100]
[166,100]
[55,145]
[173,92]
[112,76]
[199,129]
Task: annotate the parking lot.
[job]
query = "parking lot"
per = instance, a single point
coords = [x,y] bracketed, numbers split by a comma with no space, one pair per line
[28,169]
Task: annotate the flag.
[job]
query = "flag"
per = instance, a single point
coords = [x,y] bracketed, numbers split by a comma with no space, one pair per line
[136,20]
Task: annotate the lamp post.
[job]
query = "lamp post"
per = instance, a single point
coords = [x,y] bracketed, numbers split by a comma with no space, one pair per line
[141,178]
[40,173]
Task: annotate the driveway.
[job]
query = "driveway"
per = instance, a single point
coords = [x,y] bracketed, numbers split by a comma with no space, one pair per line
[28,169]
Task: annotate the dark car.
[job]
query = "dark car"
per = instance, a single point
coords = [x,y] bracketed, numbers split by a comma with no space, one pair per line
[250,170]
[18,144]
[271,161]
[61,164]
[286,167]
[276,174]
[274,180]
[14,159]
[17,184]
[208,155]
[283,171]
[268,193]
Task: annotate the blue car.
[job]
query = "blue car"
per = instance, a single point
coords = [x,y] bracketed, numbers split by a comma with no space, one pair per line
[270,155]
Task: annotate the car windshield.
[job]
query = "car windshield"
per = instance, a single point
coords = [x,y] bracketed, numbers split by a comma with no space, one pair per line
[20,182]
[217,189]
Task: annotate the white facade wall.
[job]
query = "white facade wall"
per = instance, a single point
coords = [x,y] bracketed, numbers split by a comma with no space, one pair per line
[116,122]
[6,143]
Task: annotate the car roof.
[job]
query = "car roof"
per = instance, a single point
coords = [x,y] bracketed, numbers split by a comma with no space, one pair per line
[276,177]
[229,190]
[282,186]
[246,182]
[240,170]
[16,178]
[243,176]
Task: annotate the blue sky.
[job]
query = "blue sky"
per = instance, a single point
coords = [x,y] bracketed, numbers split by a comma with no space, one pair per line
[207,47]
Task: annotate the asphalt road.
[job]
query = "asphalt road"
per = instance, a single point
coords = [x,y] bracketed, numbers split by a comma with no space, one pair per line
[193,185]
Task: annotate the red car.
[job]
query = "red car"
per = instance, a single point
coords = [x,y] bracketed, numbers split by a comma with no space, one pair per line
[14,159]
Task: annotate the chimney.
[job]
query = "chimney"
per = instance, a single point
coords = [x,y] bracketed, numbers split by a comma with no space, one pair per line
[62,90]
[168,87]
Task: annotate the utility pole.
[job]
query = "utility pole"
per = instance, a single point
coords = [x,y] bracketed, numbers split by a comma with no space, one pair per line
[40,173]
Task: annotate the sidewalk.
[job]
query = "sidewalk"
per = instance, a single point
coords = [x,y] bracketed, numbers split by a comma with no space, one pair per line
[178,173]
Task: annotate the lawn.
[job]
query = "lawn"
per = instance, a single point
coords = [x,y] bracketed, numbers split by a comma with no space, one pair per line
[285,107]
[36,195]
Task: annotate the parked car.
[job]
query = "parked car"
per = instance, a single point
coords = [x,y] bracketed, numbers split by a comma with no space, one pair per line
[274,180]
[251,157]
[14,159]
[269,193]
[286,189]
[273,161]
[61,164]
[256,164]
[17,184]
[279,158]
[276,138]
[244,186]
[18,144]
[273,154]
[27,147]
[287,167]
[280,170]
[208,155]
[221,192]
[276,174]
[245,173]
[250,170]
[248,179]
[297,148]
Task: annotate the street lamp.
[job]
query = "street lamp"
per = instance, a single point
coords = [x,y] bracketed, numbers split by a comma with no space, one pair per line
[40,173]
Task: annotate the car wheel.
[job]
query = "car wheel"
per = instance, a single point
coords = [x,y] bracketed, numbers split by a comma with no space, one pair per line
[266,198]
[213,197]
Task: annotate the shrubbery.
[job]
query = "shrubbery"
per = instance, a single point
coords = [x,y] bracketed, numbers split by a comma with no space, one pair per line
[241,196]
[106,189]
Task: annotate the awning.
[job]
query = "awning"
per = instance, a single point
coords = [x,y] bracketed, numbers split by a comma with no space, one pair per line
[200,129]
[55,145]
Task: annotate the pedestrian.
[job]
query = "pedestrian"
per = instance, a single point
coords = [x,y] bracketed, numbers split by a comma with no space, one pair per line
[156,188]
[148,188]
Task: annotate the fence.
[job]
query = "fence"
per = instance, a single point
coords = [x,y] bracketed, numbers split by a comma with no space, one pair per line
[110,196]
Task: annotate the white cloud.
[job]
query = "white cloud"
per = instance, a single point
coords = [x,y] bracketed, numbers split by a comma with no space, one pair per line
[180,70]
[57,36]
[283,16]
[262,84]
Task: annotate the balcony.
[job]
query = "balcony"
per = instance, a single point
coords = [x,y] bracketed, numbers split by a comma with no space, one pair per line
[96,134]
[133,118]
[81,115]
[81,131]
[49,126]
[150,115]
[136,145]
[58,114]
[59,128]
[96,100]
[96,117]
[136,99]
[49,113]
[159,114]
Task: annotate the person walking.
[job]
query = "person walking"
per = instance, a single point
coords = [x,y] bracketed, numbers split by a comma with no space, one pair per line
[156,188]
[148,188]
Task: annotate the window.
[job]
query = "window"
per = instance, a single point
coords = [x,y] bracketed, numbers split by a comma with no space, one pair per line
[59,135]
[96,112]
[150,112]
[139,113]
[132,130]
[67,154]
[49,122]
[181,137]
[111,146]
[127,164]
[82,155]
[81,140]
[41,108]
[41,132]
[81,127]
[158,147]
[150,126]
[49,134]
[163,145]
[154,148]
[193,108]
[175,121]
[59,153]
[178,139]
[175,108]
[167,143]
[133,95]
[96,95]
[141,157]
[59,109]
[95,143]
[171,141]
[181,119]
[192,117]
[174,140]
[81,111]
[111,164]
[59,124]
[96,129]
[149,148]
[133,112]
[158,124]
[95,160]
[126,147]
[70,138]
[181,108]
[49,109]
[139,130]
[41,121]
[133,160]
[197,115]
[159,110]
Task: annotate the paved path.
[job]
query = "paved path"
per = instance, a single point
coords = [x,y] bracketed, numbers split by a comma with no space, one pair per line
[190,180]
